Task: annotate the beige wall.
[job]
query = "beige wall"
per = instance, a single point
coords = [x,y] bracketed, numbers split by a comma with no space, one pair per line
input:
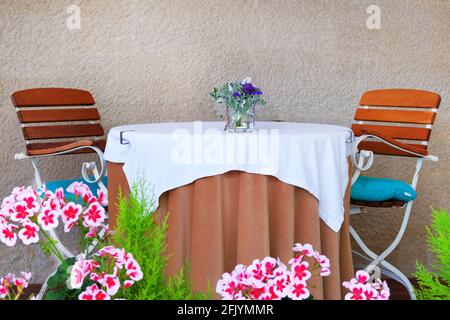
[153,61]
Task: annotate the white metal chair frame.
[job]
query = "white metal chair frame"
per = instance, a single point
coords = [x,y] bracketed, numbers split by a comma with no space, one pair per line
[98,176]
[362,161]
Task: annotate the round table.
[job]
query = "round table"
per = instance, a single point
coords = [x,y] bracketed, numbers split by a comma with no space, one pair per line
[223,213]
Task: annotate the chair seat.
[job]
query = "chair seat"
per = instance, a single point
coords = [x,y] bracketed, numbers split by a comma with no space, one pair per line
[53,185]
[378,204]
[381,192]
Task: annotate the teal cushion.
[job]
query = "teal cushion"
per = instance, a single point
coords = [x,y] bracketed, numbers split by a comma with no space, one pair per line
[381,189]
[53,185]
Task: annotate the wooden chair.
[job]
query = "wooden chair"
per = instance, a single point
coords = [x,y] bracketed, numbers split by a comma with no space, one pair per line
[392,122]
[57,121]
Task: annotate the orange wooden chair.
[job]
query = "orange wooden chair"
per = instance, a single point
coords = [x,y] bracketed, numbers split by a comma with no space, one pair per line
[391,122]
[57,121]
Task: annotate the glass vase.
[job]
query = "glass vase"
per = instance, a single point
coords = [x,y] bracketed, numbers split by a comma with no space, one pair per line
[240,121]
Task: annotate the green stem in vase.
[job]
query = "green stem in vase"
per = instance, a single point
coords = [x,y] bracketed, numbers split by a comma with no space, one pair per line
[238,122]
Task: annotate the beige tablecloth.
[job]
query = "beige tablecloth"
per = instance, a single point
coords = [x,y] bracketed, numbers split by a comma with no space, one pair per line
[220,221]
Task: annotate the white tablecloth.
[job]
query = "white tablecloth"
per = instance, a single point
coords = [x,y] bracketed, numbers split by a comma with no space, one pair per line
[170,155]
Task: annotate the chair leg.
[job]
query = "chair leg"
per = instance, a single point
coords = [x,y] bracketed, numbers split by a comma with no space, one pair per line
[399,276]
[399,236]
[380,259]
[392,272]
[37,175]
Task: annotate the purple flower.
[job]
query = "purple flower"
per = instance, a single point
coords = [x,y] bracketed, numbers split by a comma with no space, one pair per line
[236,94]
[249,89]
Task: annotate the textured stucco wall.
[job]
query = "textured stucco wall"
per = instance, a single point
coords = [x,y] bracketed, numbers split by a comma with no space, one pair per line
[154,61]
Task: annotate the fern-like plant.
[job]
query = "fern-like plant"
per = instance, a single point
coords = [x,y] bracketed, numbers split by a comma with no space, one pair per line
[435,284]
[138,232]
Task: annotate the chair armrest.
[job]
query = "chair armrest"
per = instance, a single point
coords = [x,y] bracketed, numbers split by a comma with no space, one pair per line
[67,147]
[396,143]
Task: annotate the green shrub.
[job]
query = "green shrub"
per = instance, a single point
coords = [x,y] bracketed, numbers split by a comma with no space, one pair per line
[435,284]
[138,232]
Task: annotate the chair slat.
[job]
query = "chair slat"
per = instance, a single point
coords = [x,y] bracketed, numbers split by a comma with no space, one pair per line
[398,116]
[58,115]
[42,97]
[62,131]
[401,98]
[382,148]
[396,132]
[47,145]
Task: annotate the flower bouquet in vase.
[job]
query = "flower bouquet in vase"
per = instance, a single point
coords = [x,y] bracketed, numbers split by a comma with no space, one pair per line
[240,99]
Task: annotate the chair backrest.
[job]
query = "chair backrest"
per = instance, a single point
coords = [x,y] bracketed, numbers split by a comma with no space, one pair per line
[403,114]
[53,117]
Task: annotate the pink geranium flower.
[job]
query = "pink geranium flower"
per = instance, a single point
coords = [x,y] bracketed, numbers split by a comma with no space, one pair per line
[3,291]
[53,204]
[21,212]
[298,290]
[8,202]
[20,282]
[71,212]
[270,279]
[133,269]
[29,233]
[107,284]
[94,293]
[11,286]
[361,288]
[281,284]
[7,235]
[30,198]
[306,249]
[102,198]
[300,271]
[227,286]
[48,219]
[356,292]
[362,276]
[111,282]
[128,284]
[76,277]
[94,216]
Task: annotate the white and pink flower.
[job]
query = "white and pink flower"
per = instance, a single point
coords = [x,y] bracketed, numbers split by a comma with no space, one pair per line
[48,219]
[71,213]
[102,198]
[107,284]
[94,293]
[11,287]
[30,198]
[298,290]
[111,283]
[94,216]
[21,212]
[361,288]
[7,235]
[270,279]
[133,268]
[29,233]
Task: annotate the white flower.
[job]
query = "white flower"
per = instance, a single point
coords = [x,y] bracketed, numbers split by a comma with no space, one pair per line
[246,80]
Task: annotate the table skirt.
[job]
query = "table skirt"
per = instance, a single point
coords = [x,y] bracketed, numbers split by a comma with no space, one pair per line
[218,222]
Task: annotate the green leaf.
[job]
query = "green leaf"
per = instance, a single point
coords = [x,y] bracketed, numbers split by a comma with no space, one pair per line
[53,282]
[55,295]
